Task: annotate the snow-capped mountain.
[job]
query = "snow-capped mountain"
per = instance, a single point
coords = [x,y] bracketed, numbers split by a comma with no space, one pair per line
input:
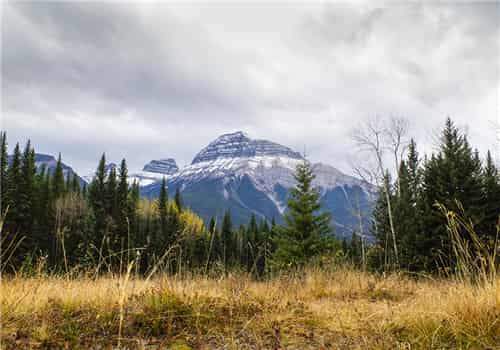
[249,176]
[154,171]
[107,168]
[166,166]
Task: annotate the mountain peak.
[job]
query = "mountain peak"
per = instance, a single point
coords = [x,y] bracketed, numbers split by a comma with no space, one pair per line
[165,166]
[239,145]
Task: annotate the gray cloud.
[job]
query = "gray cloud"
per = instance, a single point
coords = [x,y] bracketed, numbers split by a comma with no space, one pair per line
[146,81]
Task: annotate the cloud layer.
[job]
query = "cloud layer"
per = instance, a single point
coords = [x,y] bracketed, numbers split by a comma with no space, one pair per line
[160,80]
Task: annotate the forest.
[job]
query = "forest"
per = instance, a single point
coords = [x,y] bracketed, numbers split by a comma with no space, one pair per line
[432,245]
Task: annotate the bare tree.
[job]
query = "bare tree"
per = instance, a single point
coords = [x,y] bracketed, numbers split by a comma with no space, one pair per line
[396,134]
[356,210]
[376,138]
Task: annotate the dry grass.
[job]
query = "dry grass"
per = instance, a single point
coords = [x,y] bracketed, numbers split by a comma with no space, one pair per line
[343,309]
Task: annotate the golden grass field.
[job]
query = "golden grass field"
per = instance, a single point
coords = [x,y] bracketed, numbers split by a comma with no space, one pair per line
[343,309]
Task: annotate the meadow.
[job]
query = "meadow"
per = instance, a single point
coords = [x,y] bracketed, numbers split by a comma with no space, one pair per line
[336,308]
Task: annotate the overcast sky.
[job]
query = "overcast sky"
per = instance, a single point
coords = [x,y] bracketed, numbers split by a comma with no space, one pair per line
[163,80]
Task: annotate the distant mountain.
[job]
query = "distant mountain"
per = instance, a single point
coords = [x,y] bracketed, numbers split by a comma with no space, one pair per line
[50,163]
[249,176]
[154,171]
[163,166]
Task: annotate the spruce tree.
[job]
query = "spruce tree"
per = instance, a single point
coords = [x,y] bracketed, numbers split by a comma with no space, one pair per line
[26,192]
[306,233]
[123,202]
[75,184]
[44,231]
[178,199]
[163,215]
[58,185]
[13,191]
[451,178]
[133,204]
[97,200]
[4,164]
[491,189]
[227,239]
[252,233]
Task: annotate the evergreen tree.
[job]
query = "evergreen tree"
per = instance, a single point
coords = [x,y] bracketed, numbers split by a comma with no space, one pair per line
[407,210]
[58,179]
[13,219]
[491,189]
[26,194]
[112,213]
[75,184]
[67,186]
[3,170]
[44,229]
[227,239]
[123,203]
[178,199]
[163,214]
[251,247]
[306,231]
[213,241]
[451,178]
[133,204]
[97,201]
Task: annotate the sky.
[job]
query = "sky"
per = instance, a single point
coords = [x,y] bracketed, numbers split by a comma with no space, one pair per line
[145,81]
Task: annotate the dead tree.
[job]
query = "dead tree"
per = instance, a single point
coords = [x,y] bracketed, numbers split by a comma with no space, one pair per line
[375,138]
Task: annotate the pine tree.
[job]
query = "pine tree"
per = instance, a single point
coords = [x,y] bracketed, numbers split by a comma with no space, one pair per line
[178,199]
[44,229]
[451,178]
[111,194]
[97,201]
[264,247]
[227,239]
[67,185]
[491,189]
[122,193]
[112,213]
[58,179]
[213,241]
[26,192]
[251,246]
[166,240]
[75,184]
[133,203]
[3,170]
[13,190]
[306,231]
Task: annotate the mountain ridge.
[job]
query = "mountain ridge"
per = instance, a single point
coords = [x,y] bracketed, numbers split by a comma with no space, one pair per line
[253,176]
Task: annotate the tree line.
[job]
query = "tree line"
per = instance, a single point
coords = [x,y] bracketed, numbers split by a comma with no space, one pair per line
[51,218]
[412,232]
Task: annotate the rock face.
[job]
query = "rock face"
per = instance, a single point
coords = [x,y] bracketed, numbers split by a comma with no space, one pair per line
[162,166]
[247,176]
[239,145]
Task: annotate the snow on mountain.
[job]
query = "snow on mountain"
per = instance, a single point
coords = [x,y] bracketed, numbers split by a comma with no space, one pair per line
[239,145]
[166,166]
[152,172]
[251,176]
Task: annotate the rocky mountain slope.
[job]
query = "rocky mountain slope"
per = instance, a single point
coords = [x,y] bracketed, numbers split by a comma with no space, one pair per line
[249,176]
